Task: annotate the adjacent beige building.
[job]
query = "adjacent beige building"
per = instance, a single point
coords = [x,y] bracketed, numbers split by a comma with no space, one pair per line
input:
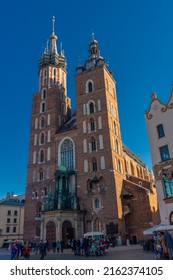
[159,122]
[11,217]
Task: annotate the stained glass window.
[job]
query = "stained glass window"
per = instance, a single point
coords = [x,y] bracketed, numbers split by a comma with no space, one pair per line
[67,154]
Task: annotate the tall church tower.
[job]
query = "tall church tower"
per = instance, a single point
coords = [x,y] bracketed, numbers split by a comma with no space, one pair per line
[50,109]
[99,153]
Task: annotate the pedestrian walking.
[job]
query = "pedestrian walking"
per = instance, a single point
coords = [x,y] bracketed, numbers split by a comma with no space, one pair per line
[58,246]
[169,243]
[62,246]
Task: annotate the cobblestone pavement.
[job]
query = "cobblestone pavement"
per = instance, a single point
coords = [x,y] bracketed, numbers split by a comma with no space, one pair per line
[133,252]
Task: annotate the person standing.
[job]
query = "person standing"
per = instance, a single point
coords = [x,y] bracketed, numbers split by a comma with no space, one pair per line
[169,243]
[58,246]
[13,250]
[62,246]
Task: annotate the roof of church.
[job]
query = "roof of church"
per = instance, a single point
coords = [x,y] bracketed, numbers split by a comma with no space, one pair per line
[69,125]
[133,155]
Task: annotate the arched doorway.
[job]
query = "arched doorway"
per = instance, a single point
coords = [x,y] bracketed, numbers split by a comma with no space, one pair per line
[67,232]
[51,232]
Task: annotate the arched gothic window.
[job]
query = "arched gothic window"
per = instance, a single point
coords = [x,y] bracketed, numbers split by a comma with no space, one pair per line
[93,144]
[43,93]
[92,125]
[41,174]
[42,156]
[42,138]
[67,154]
[94,164]
[34,193]
[42,107]
[42,122]
[90,87]
[91,108]
[97,203]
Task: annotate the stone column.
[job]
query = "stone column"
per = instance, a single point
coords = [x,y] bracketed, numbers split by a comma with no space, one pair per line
[41,229]
[75,226]
[58,230]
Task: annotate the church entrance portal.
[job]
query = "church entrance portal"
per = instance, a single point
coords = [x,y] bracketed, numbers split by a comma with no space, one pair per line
[50,232]
[67,232]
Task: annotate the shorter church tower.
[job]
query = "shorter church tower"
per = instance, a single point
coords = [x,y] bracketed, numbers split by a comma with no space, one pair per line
[99,153]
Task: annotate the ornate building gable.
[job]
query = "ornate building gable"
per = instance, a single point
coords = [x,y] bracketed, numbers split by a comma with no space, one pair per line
[155,106]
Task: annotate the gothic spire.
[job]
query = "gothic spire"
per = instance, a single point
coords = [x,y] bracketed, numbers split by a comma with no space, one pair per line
[53,38]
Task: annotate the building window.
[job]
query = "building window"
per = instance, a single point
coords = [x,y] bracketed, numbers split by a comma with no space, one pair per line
[15,212]
[94,165]
[42,107]
[91,108]
[164,153]
[15,220]
[42,122]
[43,93]
[9,213]
[8,220]
[7,229]
[42,138]
[89,86]
[41,156]
[93,144]
[14,229]
[160,131]
[34,193]
[41,174]
[92,125]
[97,203]
[168,185]
[67,154]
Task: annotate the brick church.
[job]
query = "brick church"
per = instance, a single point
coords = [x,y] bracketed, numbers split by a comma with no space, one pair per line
[80,175]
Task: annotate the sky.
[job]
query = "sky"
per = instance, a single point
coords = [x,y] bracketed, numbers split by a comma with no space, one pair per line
[136,39]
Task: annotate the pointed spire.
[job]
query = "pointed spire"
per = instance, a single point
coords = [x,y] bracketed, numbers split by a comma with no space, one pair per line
[53,21]
[53,38]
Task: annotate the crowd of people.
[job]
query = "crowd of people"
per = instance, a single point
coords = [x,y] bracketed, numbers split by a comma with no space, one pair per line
[81,247]
[161,244]
[22,250]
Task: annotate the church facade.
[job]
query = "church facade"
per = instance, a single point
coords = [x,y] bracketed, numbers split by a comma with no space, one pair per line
[81,177]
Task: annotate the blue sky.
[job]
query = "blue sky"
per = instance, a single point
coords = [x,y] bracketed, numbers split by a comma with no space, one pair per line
[136,39]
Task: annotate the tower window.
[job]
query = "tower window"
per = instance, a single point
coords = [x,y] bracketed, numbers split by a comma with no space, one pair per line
[91,108]
[42,156]
[42,122]
[97,203]
[67,153]
[160,131]
[90,87]
[42,107]
[40,176]
[43,93]
[94,165]
[93,144]
[92,125]
[42,138]
[164,153]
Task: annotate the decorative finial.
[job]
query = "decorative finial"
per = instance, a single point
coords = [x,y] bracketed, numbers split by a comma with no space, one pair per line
[53,21]
[154,96]
[93,35]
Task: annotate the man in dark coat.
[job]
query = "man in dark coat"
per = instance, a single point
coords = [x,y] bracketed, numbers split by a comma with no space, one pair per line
[169,243]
